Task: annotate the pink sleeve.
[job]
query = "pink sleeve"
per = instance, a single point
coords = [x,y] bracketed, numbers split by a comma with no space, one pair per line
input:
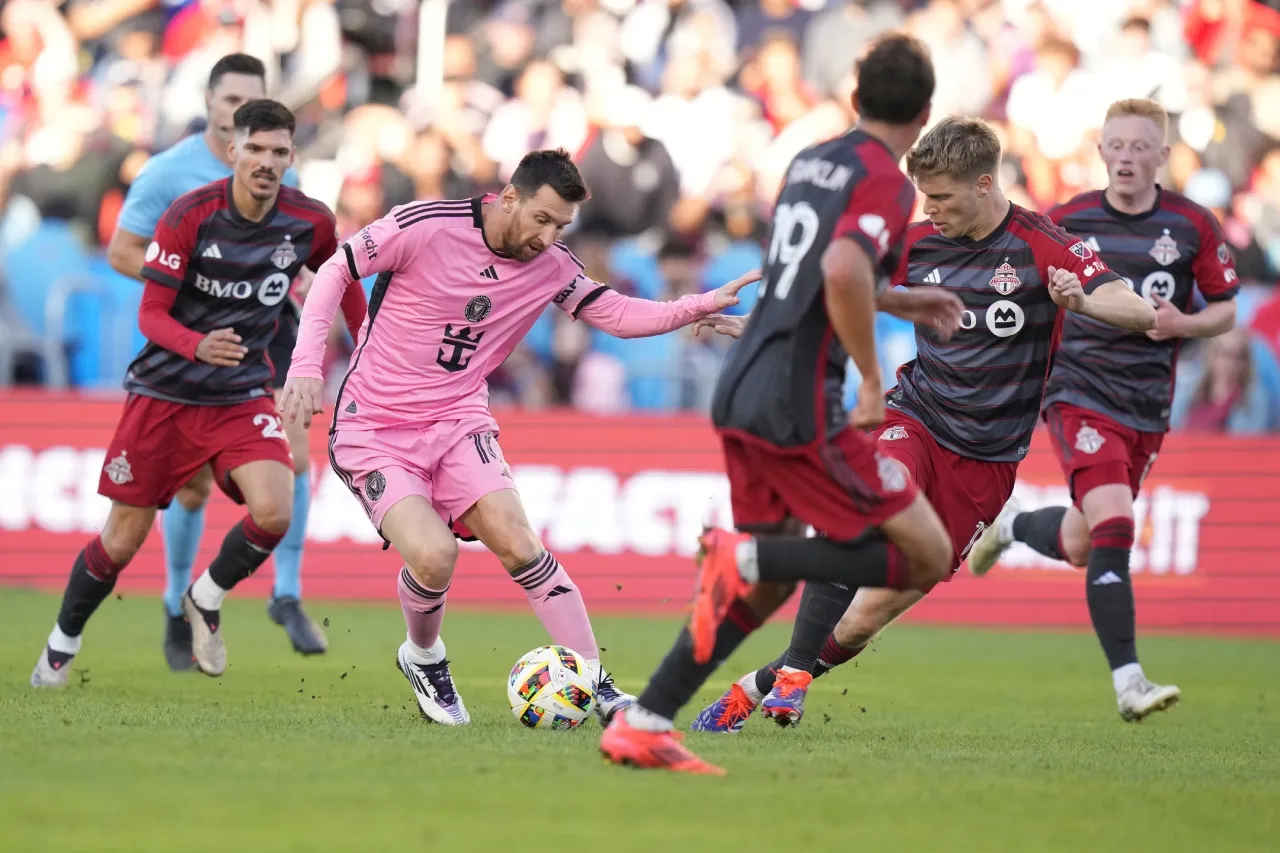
[385,245]
[627,317]
[331,284]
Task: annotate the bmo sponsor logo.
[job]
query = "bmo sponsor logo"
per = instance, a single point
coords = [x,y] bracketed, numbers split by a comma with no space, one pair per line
[1003,318]
[271,291]
[1166,522]
[1158,284]
[156,255]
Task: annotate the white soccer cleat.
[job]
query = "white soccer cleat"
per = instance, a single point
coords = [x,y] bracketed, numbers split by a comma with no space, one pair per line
[609,699]
[50,674]
[995,540]
[1140,698]
[433,687]
[206,637]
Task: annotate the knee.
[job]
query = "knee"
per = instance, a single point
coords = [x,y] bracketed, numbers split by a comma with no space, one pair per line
[856,628]
[516,545]
[273,516]
[195,494]
[931,562]
[123,539]
[431,563]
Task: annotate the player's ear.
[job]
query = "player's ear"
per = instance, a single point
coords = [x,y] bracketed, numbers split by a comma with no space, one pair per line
[1165,150]
[510,195]
[985,183]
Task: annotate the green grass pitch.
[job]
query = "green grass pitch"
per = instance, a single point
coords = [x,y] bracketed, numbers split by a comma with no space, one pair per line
[939,740]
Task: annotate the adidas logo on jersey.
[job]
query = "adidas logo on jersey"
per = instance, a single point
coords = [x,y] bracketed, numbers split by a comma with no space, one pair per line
[934,277]
[212,252]
[489,272]
[1092,243]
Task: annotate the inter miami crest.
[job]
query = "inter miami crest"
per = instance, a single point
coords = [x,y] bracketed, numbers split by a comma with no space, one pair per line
[374,485]
[478,308]
[1165,251]
[1005,281]
[284,256]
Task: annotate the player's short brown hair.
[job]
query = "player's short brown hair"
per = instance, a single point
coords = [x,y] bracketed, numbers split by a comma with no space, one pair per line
[550,167]
[1142,108]
[958,147]
[895,79]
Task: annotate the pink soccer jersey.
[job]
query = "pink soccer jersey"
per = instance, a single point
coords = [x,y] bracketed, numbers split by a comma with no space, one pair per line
[447,310]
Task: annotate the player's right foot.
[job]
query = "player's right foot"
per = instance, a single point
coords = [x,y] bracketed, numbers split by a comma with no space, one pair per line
[52,670]
[433,687]
[785,702]
[994,541]
[177,643]
[718,585]
[1141,698]
[628,746]
[305,635]
[206,636]
[728,714]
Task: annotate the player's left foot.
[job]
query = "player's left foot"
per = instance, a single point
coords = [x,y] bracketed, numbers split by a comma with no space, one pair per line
[718,585]
[728,714]
[433,688]
[785,702]
[306,636]
[628,746]
[177,643]
[1140,698]
[609,699]
[994,541]
[206,638]
[52,670]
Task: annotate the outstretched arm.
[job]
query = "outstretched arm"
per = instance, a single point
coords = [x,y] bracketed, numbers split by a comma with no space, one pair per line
[333,288]
[627,317]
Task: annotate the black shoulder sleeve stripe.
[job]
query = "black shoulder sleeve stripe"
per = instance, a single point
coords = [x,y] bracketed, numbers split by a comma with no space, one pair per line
[589,298]
[562,247]
[351,261]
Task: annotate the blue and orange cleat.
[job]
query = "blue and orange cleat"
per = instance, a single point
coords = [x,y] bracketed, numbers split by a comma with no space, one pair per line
[785,702]
[718,585]
[627,746]
[728,714]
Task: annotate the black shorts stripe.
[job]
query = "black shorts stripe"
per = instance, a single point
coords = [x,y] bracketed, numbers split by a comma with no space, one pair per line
[478,439]
[589,298]
[344,475]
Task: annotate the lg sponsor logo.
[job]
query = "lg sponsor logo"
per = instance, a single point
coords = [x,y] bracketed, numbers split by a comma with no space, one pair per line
[168,260]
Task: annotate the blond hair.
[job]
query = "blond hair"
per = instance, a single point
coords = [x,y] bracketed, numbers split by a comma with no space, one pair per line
[1141,108]
[958,147]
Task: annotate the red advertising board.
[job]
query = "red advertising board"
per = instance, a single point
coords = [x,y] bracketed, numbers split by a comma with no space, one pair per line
[620,500]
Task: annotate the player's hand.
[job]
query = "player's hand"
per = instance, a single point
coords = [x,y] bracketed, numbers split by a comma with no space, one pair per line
[302,397]
[1169,320]
[721,324]
[1065,289]
[869,412]
[221,348]
[727,294]
[935,308]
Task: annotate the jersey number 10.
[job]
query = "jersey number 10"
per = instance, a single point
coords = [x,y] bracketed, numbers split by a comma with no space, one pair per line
[795,227]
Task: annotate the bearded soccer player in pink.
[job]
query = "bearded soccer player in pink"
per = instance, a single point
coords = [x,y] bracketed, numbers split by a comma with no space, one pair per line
[459,285]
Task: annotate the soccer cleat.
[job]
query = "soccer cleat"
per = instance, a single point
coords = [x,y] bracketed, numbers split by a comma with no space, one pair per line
[1141,698]
[433,687]
[609,699]
[177,643]
[994,541]
[627,746]
[785,702]
[728,714]
[304,633]
[718,585]
[52,669]
[206,637]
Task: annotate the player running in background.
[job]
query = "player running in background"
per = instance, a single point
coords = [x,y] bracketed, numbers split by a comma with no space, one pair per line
[964,410]
[199,392]
[193,162]
[459,285]
[792,455]
[1108,400]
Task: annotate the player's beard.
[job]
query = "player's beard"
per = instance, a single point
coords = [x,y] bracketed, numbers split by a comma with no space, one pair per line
[269,177]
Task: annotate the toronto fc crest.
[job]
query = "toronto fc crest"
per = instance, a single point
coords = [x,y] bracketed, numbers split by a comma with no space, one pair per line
[1165,251]
[118,470]
[1005,281]
[1089,440]
[284,256]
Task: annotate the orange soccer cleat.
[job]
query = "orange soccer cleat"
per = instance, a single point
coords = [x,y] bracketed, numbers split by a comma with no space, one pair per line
[718,585]
[628,746]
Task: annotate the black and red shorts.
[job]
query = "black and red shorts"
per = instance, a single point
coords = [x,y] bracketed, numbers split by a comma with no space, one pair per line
[1095,450]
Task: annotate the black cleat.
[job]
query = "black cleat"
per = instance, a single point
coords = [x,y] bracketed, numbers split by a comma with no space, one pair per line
[306,636]
[177,643]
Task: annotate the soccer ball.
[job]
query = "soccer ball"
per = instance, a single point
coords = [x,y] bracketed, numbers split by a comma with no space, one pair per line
[552,687]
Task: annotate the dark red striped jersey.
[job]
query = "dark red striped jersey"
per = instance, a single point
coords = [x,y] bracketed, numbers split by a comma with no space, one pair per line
[229,273]
[979,393]
[783,379]
[1168,251]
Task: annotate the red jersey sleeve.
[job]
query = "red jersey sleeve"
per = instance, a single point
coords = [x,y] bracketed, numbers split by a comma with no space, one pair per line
[325,244]
[902,263]
[877,215]
[1213,266]
[1054,247]
[166,258]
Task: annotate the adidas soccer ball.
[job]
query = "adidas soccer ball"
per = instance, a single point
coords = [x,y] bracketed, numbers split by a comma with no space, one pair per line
[552,687]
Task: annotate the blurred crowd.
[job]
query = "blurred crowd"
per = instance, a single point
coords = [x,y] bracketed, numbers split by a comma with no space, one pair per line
[683,115]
